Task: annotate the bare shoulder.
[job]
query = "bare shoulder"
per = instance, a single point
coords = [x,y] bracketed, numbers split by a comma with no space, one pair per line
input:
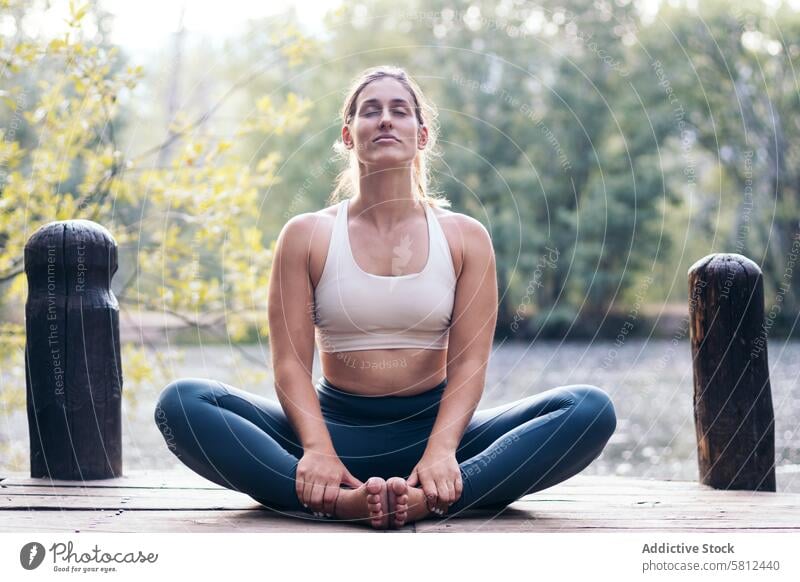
[303,228]
[465,235]
[309,235]
[460,223]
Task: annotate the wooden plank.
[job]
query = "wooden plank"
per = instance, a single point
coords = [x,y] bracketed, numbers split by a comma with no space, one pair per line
[578,485]
[184,477]
[651,496]
[25,497]
[150,479]
[264,521]
[73,498]
[515,520]
[589,526]
[155,501]
[737,510]
[174,521]
[732,498]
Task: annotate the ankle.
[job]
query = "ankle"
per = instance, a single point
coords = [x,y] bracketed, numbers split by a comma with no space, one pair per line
[417,506]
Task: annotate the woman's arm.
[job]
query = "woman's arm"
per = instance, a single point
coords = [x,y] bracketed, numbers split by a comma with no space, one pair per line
[470,343]
[291,330]
[471,333]
[320,472]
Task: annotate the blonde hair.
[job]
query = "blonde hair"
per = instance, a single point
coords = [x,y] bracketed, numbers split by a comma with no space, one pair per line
[347,182]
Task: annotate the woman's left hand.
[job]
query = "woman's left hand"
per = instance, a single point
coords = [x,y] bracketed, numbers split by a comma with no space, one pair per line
[440,477]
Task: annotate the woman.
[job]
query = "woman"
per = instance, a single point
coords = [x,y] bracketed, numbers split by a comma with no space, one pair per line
[401,297]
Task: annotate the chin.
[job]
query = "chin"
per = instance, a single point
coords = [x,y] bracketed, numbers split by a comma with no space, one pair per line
[394,158]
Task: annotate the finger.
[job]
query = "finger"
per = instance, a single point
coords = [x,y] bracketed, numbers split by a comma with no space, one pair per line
[451,497]
[412,479]
[298,488]
[307,488]
[329,498]
[444,491]
[451,492]
[431,494]
[317,493]
[306,497]
[459,488]
[349,479]
[440,505]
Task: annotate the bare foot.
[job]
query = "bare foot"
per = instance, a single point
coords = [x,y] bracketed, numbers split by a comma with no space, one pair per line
[417,505]
[397,489]
[369,501]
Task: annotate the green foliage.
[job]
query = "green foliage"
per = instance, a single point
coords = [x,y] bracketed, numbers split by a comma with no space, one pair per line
[543,141]
[614,137]
[190,223]
[579,126]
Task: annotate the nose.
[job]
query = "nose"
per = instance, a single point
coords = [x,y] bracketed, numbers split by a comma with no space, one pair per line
[386,118]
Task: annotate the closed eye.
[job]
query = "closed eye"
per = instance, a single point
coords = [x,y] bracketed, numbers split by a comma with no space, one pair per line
[398,111]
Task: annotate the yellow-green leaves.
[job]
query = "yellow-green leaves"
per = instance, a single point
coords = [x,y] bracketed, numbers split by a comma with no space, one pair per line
[185,211]
[271,119]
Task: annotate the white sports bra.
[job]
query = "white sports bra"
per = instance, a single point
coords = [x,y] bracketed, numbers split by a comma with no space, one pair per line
[356,310]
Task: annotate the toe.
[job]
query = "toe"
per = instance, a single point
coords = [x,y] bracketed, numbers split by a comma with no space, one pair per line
[374,485]
[398,486]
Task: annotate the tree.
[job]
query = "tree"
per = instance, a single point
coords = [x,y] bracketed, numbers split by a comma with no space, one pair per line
[543,141]
[190,225]
[735,71]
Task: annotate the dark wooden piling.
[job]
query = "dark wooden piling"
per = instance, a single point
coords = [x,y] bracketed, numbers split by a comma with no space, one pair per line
[734,419]
[72,352]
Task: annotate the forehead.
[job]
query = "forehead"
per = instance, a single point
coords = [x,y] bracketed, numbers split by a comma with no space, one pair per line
[385,89]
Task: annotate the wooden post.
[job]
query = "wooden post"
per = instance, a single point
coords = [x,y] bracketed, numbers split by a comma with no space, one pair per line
[72,352]
[733,413]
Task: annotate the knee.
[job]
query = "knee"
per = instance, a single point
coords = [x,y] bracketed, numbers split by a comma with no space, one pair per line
[176,397]
[595,408]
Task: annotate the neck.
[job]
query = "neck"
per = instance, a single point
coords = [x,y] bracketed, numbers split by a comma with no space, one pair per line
[385,197]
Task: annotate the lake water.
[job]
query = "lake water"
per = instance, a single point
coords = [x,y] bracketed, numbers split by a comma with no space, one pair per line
[649,381]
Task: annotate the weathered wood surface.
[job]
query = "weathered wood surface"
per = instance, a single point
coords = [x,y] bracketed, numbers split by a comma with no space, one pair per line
[734,417]
[72,352]
[180,501]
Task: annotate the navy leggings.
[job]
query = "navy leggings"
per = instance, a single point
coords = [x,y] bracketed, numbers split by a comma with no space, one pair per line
[245,442]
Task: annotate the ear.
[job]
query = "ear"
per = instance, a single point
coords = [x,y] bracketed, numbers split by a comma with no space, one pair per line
[347,138]
[423,136]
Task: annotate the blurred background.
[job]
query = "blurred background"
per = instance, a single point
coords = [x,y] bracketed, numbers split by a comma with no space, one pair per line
[605,145]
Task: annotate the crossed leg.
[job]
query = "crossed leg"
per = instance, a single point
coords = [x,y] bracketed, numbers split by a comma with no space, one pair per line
[531,444]
[234,438]
[244,442]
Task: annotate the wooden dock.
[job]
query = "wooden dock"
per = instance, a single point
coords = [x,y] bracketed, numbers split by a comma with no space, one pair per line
[180,501]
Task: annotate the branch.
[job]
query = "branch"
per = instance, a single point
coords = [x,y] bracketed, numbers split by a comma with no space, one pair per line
[209,327]
[205,116]
[11,275]
[155,350]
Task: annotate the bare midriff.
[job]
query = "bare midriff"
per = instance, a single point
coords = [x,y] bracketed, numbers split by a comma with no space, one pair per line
[385,372]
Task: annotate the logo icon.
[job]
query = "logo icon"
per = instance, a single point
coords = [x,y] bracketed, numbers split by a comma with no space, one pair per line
[402,256]
[31,555]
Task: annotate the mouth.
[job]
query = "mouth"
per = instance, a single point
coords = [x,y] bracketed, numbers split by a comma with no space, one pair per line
[385,138]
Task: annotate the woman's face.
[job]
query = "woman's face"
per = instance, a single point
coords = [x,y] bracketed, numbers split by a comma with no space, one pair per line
[385,107]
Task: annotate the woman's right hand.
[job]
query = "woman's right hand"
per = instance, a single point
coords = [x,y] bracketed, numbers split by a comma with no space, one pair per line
[319,476]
